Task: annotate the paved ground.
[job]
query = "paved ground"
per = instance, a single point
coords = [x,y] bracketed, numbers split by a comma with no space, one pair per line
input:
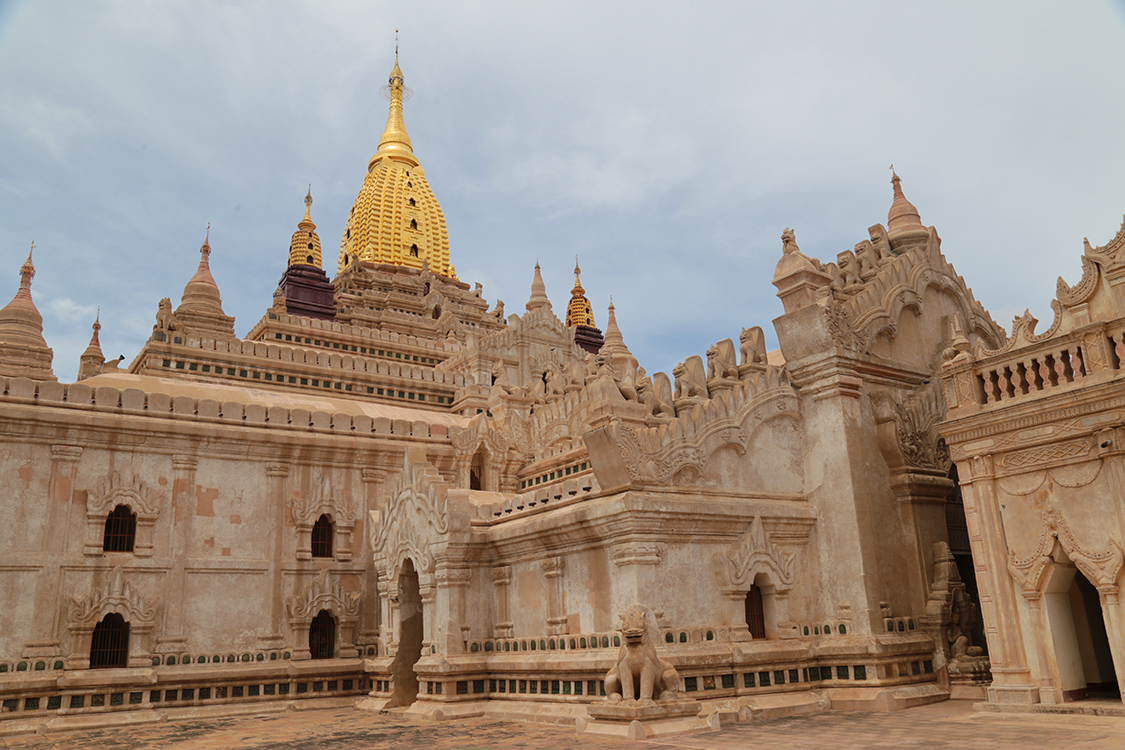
[946,725]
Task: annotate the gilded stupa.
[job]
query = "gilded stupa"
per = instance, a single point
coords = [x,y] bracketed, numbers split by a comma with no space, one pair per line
[580,316]
[396,219]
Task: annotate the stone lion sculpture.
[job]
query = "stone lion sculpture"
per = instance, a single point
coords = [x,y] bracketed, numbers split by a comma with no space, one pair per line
[691,378]
[639,674]
[722,360]
[752,344]
[165,320]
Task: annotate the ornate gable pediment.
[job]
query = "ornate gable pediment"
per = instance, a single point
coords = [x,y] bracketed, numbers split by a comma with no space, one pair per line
[415,518]
[323,499]
[1101,567]
[116,490]
[754,553]
[117,595]
[324,593]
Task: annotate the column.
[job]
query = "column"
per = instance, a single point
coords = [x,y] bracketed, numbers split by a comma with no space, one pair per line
[49,602]
[553,568]
[369,613]
[998,603]
[181,517]
[276,475]
[502,580]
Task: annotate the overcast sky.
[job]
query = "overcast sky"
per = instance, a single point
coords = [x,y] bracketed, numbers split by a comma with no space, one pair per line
[667,144]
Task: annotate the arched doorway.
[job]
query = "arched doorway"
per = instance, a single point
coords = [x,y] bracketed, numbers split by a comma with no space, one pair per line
[761,619]
[322,636]
[476,471]
[109,646]
[755,614]
[410,634]
[1078,634]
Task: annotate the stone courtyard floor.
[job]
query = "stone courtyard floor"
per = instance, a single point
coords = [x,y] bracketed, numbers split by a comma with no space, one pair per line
[944,725]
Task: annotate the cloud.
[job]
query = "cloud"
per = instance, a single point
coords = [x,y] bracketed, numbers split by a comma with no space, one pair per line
[665,144]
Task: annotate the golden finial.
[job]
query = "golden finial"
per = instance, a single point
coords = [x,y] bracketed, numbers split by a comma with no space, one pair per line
[308,203]
[205,248]
[28,267]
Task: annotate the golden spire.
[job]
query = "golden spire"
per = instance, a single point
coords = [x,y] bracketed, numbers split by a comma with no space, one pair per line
[395,218]
[395,142]
[304,247]
[578,311]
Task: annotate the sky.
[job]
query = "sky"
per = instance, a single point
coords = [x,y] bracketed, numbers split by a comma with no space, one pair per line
[666,144]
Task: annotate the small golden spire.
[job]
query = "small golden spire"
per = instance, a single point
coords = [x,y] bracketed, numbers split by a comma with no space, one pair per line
[579,311]
[308,203]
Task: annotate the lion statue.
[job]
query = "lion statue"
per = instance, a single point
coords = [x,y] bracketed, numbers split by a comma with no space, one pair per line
[722,361]
[691,378]
[752,344]
[165,320]
[640,675]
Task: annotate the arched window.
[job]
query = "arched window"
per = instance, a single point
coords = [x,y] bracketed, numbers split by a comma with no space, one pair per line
[322,636]
[413,251]
[322,537]
[413,223]
[755,613]
[437,311]
[120,530]
[476,471]
[110,645]
[412,201]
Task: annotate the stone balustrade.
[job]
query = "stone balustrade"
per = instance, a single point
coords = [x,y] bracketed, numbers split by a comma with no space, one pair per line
[1082,357]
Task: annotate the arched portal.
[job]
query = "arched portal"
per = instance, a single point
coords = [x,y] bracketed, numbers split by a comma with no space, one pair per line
[322,636]
[761,615]
[1078,634]
[410,634]
[109,646]
[755,614]
[476,471]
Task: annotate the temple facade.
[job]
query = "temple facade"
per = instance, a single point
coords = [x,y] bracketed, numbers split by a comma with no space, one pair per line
[391,491]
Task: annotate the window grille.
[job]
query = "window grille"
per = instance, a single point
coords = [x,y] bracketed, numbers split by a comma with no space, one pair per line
[109,646]
[322,636]
[120,530]
[322,537]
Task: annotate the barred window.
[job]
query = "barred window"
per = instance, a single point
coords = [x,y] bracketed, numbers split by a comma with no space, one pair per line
[322,537]
[322,636]
[120,530]
[109,646]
